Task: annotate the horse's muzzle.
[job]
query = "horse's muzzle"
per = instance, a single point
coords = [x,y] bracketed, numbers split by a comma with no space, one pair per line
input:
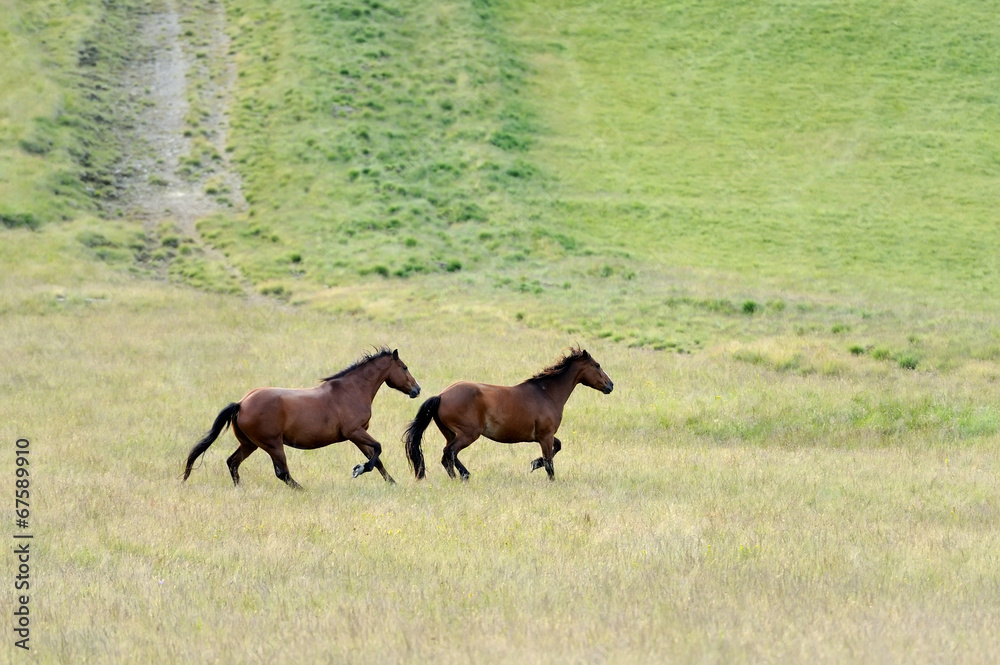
[414,391]
[608,387]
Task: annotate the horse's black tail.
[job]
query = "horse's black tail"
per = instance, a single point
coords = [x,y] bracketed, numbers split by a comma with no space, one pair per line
[415,432]
[222,421]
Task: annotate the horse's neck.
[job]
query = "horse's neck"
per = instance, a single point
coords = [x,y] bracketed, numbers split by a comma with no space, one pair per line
[559,388]
[366,380]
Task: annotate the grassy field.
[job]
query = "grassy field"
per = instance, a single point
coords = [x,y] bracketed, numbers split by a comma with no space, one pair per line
[708,509]
[772,225]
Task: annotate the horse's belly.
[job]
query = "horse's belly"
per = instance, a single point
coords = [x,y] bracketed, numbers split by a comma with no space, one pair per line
[508,432]
[307,440]
[309,444]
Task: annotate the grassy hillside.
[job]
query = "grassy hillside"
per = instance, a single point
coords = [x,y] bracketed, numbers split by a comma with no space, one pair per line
[377,140]
[639,172]
[62,109]
[826,146]
[665,176]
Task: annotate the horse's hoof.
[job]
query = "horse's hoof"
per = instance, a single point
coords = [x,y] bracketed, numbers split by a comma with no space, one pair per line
[358,470]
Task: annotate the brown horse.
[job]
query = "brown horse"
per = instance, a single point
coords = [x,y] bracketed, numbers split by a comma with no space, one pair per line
[338,409]
[529,411]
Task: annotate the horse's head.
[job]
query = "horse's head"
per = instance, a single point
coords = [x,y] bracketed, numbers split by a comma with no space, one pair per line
[592,376]
[399,377]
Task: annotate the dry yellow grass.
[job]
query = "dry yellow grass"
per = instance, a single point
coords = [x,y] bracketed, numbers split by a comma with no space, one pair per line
[711,509]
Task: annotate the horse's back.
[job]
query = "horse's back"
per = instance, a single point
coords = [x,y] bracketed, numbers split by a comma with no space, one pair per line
[503,413]
[275,410]
[465,394]
[265,399]
[462,390]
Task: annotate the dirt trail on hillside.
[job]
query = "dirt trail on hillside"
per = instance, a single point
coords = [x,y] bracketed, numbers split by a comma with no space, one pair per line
[155,190]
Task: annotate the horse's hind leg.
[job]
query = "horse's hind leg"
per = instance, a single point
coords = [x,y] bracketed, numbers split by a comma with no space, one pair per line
[449,437]
[463,473]
[450,458]
[277,453]
[540,462]
[234,461]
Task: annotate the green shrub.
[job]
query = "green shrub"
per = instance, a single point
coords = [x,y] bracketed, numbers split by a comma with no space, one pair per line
[25,220]
[94,239]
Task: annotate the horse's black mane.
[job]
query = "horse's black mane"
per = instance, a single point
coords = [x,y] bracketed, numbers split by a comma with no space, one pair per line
[366,358]
[576,353]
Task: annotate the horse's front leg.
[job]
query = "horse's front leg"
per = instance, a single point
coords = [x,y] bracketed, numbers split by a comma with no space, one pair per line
[377,461]
[371,449]
[550,446]
[541,463]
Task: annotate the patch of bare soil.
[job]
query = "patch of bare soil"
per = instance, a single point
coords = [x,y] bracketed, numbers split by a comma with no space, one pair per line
[167,182]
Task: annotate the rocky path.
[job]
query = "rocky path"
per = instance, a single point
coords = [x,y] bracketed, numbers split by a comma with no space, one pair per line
[171,182]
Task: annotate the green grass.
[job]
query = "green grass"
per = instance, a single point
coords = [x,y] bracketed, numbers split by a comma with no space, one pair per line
[596,167]
[772,224]
[863,129]
[62,112]
[819,152]
[375,139]
[600,170]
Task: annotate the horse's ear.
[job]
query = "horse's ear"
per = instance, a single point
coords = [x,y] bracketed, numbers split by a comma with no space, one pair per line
[395,354]
[585,356]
